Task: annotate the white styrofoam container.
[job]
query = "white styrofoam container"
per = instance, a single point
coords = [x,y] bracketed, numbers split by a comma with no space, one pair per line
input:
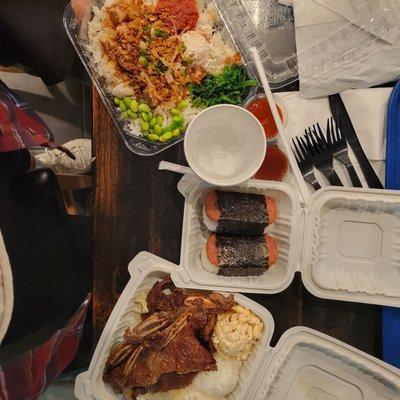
[145,269]
[305,364]
[309,365]
[344,241]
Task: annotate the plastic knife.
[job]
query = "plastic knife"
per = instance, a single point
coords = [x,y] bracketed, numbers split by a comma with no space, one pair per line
[342,118]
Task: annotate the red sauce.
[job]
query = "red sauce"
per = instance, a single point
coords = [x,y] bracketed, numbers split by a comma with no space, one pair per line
[183,13]
[275,165]
[262,111]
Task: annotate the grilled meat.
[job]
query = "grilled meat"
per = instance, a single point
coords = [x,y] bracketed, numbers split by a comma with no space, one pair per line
[172,344]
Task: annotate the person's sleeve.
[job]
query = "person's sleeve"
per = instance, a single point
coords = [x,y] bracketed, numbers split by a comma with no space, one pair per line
[32,34]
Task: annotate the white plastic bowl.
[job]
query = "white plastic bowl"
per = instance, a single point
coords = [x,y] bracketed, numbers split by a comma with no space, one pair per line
[225,145]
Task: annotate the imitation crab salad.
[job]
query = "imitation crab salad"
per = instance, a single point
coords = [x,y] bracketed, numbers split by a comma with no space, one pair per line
[182,345]
[164,61]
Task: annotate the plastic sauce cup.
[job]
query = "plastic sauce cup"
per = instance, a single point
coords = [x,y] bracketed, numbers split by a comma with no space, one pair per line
[275,165]
[258,105]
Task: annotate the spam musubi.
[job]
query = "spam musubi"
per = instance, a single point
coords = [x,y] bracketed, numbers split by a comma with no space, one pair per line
[239,255]
[238,213]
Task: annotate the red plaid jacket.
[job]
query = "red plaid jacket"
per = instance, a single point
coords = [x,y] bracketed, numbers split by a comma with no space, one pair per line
[27,376]
[20,126]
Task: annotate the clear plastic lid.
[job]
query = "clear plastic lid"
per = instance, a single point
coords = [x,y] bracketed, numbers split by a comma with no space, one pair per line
[269,27]
[341,44]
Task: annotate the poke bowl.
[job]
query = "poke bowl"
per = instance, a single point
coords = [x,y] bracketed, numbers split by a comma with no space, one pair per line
[156,70]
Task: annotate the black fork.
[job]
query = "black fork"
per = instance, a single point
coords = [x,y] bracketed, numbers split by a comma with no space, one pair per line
[338,145]
[304,162]
[322,157]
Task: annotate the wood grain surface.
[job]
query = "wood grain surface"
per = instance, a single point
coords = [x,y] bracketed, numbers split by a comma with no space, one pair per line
[137,207]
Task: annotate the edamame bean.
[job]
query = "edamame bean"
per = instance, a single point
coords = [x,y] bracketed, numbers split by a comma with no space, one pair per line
[153,137]
[182,105]
[157,129]
[134,106]
[132,114]
[167,135]
[144,125]
[144,116]
[117,100]
[177,119]
[144,108]
[125,115]
[150,115]
[122,106]
[175,111]
[127,101]
[161,139]
[176,132]
[159,119]
[153,121]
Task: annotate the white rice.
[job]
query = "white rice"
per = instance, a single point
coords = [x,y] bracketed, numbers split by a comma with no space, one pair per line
[205,262]
[189,113]
[210,225]
[218,384]
[134,128]
[221,51]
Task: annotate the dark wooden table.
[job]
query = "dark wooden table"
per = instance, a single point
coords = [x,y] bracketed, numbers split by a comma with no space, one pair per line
[137,207]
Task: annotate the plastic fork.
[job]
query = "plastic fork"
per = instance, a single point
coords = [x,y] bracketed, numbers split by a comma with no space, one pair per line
[304,162]
[338,146]
[321,155]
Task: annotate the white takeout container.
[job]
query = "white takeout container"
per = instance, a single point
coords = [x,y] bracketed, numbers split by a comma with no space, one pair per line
[145,269]
[225,145]
[344,241]
[305,364]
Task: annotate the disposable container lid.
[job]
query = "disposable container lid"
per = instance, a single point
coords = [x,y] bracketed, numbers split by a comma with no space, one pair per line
[344,241]
[269,27]
[305,364]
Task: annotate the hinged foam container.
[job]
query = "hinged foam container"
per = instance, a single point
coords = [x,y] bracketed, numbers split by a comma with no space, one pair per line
[344,241]
[305,364]
[145,269]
